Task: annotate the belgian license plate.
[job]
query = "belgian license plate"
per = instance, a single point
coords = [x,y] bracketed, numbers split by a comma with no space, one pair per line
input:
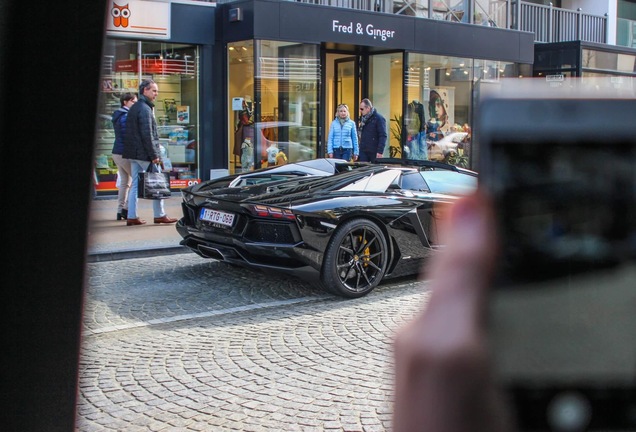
[216,216]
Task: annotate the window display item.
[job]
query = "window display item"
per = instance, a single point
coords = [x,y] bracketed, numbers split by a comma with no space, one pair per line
[183,114]
[247,155]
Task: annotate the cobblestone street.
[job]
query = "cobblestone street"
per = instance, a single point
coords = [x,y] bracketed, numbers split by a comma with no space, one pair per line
[181,343]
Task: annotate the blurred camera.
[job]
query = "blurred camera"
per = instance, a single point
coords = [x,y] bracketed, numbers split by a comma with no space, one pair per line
[562,175]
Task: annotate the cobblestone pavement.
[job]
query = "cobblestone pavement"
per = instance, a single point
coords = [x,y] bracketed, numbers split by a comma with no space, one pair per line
[177,343]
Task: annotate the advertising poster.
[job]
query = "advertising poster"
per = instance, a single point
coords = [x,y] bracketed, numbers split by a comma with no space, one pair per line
[183,114]
[441,107]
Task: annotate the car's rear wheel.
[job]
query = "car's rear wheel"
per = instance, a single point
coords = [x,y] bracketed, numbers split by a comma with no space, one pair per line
[355,259]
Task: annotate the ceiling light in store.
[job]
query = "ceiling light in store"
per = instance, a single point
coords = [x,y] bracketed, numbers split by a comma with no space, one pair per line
[231,48]
[244,48]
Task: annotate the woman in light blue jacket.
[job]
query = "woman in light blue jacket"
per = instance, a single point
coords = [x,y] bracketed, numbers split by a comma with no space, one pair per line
[343,136]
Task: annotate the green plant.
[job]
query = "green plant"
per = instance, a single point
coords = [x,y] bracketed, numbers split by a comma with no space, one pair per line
[395,151]
[458,158]
[396,130]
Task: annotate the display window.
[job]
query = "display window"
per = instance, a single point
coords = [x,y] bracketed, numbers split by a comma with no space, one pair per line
[174,68]
[273,102]
[437,120]
[387,99]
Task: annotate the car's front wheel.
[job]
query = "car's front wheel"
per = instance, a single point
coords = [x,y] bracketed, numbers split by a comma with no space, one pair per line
[355,259]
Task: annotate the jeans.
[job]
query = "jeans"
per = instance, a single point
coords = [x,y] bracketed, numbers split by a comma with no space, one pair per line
[125,178]
[367,156]
[343,153]
[137,166]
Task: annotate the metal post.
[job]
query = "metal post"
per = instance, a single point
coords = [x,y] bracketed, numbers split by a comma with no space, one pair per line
[508,11]
[606,28]
[579,30]
[550,17]
[430,9]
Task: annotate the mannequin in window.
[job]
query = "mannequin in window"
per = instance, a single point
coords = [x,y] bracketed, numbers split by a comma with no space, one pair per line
[415,130]
[244,131]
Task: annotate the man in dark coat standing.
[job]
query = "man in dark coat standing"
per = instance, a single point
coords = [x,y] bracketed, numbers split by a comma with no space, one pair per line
[372,130]
[141,146]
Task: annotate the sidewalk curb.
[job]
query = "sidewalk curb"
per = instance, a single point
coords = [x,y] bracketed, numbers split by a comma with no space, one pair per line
[135,253]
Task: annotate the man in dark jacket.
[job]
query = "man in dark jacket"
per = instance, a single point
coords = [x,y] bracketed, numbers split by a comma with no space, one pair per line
[372,129]
[141,146]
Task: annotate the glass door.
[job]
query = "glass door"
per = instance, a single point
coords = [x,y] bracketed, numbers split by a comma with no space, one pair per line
[342,85]
[385,90]
[346,84]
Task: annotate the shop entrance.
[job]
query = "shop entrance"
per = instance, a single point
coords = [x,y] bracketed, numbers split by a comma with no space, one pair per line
[342,86]
[379,77]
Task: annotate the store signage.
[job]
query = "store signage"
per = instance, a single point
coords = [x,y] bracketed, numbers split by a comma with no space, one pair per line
[342,25]
[362,29]
[235,15]
[555,78]
[156,66]
[139,19]
[111,185]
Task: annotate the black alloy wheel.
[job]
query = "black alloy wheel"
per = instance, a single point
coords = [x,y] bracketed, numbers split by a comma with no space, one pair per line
[355,259]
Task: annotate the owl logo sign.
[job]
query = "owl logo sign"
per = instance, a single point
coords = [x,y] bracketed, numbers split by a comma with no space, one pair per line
[120,15]
[139,18]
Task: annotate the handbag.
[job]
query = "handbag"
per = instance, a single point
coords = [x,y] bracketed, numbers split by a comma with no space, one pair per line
[154,184]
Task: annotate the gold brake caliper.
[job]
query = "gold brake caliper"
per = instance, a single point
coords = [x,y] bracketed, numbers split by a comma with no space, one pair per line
[366,253]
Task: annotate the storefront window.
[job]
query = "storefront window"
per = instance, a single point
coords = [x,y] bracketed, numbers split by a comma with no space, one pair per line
[387,99]
[438,107]
[274,103]
[608,61]
[437,119]
[174,68]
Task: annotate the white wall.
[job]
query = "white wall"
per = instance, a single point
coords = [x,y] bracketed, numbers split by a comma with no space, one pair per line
[597,7]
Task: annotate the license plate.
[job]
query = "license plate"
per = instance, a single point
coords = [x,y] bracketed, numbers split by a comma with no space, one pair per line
[216,216]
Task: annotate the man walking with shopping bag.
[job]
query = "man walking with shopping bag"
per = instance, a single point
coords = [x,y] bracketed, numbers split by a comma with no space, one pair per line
[141,146]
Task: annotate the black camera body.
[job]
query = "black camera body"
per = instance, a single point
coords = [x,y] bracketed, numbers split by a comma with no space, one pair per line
[562,176]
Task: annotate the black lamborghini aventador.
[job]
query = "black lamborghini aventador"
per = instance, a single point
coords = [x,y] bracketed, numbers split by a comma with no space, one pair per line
[348,230]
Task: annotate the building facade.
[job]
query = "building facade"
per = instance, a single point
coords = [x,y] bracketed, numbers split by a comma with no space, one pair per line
[236,78]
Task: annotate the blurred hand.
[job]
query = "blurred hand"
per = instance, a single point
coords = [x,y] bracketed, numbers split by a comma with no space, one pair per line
[442,363]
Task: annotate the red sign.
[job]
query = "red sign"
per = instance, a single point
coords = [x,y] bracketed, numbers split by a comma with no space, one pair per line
[107,186]
[182,183]
[156,66]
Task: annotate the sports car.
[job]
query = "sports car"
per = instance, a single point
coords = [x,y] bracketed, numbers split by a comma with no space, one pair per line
[313,167]
[347,231]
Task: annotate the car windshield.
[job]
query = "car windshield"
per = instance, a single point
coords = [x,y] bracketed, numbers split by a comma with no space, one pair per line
[449,182]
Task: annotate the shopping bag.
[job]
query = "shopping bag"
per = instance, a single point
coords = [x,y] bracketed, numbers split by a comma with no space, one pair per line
[154,184]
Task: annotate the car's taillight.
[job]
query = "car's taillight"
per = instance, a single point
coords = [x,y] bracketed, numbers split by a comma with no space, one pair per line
[273,212]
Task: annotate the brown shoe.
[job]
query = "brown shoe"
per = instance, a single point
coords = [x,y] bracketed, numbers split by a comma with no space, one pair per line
[165,219]
[136,221]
